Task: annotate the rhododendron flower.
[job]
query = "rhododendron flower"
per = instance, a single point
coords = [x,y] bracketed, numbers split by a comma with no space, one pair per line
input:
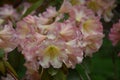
[47,16]
[102,8]
[7,38]
[81,13]
[29,19]
[92,43]
[65,7]
[114,34]
[8,11]
[47,42]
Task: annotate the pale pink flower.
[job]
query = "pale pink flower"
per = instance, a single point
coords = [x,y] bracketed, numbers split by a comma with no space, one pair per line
[57,52]
[7,38]
[81,13]
[92,32]
[8,11]
[91,26]
[102,8]
[65,7]
[114,34]
[92,43]
[24,30]
[67,30]
[29,19]
[47,16]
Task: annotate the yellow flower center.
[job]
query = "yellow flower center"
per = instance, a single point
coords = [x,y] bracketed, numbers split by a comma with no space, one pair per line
[52,51]
[87,25]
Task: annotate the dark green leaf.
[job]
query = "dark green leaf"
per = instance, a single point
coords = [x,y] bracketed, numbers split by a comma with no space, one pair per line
[52,71]
[59,76]
[33,7]
[10,68]
[16,59]
[73,75]
[82,72]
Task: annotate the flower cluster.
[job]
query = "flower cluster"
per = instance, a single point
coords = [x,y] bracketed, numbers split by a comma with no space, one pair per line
[8,17]
[8,11]
[47,39]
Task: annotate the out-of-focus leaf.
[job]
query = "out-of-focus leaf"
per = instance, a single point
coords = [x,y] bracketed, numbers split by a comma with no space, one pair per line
[59,76]
[81,71]
[17,60]
[45,75]
[102,66]
[98,77]
[33,7]
[52,71]
[73,75]
[1,53]
[9,68]
[2,67]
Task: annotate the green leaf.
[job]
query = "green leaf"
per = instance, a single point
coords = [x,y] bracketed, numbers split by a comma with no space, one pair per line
[82,72]
[16,59]
[45,75]
[52,71]
[1,53]
[33,7]
[2,67]
[73,75]
[9,68]
[59,76]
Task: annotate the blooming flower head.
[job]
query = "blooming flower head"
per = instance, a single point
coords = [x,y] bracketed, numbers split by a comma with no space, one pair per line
[114,34]
[47,16]
[102,8]
[8,11]
[7,38]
